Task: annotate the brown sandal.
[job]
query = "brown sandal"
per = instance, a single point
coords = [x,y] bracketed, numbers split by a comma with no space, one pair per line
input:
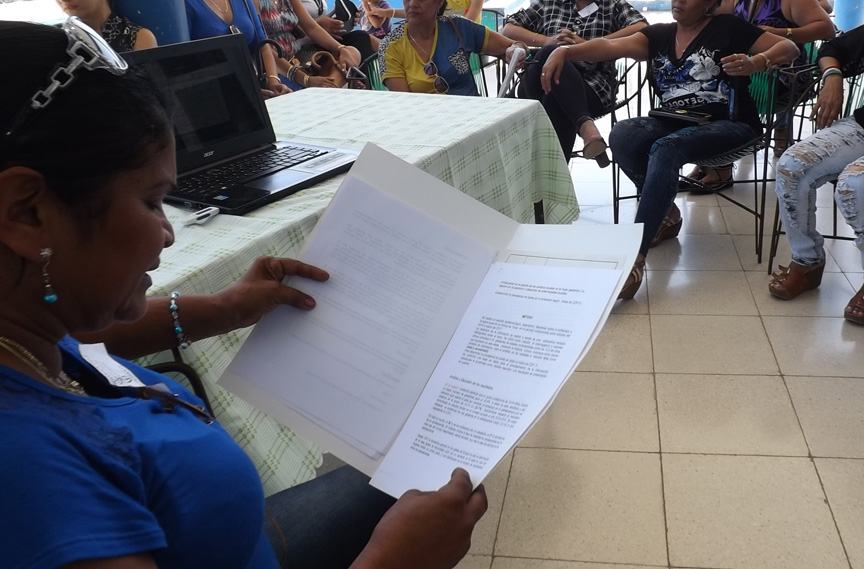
[855,309]
[795,279]
[634,280]
[669,228]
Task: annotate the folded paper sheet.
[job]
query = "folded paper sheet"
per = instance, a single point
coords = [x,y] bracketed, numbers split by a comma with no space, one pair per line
[445,330]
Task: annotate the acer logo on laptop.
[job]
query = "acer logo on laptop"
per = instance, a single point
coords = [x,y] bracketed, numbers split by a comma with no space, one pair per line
[209,154]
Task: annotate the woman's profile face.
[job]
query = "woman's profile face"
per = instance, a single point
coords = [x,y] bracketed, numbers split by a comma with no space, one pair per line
[422,10]
[105,273]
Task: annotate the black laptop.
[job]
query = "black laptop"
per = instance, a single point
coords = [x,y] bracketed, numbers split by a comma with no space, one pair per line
[227,152]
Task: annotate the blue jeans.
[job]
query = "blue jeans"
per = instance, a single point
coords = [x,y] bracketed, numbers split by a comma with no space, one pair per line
[806,166]
[325,522]
[651,152]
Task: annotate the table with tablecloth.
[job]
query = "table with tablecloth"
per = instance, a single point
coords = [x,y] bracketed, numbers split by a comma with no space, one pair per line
[503,152]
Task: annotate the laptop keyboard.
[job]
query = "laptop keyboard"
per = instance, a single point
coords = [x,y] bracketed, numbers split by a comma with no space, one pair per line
[214,181]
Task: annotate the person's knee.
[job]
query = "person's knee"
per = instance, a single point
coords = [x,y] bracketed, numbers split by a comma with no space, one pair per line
[790,169]
[620,138]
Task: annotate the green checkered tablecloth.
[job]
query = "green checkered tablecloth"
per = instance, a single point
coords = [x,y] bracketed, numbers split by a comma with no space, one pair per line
[503,152]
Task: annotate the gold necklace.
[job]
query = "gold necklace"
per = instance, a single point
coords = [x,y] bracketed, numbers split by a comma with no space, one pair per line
[417,45]
[692,36]
[62,381]
[223,10]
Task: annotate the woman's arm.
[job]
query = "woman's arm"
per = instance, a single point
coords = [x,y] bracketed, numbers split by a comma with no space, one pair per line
[767,50]
[242,304]
[634,46]
[812,21]
[499,44]
[829,103]
[473,12]
[375,20]
[348,56]
[388,12]
[144,40]
[778,50]
[526,36]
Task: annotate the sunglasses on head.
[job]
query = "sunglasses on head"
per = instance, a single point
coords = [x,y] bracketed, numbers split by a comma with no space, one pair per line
[440,84]
[88,50]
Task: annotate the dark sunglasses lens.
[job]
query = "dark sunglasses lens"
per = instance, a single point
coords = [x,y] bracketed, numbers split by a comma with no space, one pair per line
[430,69]
[440,85]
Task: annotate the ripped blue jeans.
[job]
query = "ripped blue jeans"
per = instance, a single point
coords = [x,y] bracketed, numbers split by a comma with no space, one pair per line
[651,152]
[806,166]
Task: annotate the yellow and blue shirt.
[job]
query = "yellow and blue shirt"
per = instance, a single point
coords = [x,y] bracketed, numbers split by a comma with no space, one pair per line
[449,52]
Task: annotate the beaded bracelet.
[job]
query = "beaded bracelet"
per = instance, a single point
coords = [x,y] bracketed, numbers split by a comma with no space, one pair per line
[183,340]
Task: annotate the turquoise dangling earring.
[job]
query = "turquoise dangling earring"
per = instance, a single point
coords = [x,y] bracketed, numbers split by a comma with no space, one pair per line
[50,297]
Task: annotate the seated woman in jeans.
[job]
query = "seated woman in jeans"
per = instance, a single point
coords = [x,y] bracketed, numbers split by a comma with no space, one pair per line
[837,149]
[693,62]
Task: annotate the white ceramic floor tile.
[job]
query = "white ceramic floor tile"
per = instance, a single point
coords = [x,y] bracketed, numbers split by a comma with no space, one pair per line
[845,254]
[592,193]
[624,345]
[483,539]
[728,345]
[823,347]
[748,513]
[842,480]
[700,292]
[831,411]
[475,562]
[746,249]
[740,222]
[694,253]
[730,414]
[600,411]
[701,220]
[827,300]
[584,506]
[516,563]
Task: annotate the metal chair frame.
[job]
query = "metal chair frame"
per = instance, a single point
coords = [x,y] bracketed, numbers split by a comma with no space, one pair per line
[767,81]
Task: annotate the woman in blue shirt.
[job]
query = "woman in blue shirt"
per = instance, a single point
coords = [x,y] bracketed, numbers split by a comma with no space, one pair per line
[105,464]
[209,18]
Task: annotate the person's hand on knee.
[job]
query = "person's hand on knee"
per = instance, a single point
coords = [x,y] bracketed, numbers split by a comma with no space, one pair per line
[427,530]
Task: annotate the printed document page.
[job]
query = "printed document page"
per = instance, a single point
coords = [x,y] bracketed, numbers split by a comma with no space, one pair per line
[355,365]
[513,350]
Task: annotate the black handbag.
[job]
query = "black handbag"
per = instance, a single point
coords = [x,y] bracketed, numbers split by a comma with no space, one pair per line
[681,115]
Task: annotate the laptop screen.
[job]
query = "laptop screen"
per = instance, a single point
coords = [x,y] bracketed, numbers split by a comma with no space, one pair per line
[216,105]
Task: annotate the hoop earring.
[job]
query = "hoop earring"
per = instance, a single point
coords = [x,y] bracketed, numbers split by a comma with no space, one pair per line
[50,297]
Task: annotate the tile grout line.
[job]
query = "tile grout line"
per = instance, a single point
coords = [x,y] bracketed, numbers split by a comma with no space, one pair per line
[818,475]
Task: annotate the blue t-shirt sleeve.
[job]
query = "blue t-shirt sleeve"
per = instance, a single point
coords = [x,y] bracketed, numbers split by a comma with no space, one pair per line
[473,34]
[70,503]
